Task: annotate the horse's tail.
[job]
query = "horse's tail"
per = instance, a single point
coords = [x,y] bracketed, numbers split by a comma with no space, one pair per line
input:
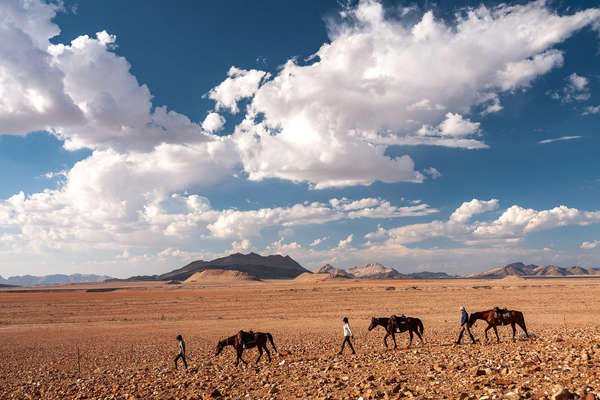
[270,337]
[420,326]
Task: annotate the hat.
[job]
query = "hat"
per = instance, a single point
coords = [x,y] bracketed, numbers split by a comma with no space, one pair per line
[345,319]
[179,337]
[462,308]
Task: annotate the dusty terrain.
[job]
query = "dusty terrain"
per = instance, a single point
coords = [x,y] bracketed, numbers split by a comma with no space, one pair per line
[119,344]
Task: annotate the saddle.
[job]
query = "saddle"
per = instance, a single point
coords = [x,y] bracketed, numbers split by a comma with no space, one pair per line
[246,338]
[399,319]
[502,314]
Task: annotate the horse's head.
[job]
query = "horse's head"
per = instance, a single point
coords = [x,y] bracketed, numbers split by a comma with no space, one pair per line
[220,346]
[374,323]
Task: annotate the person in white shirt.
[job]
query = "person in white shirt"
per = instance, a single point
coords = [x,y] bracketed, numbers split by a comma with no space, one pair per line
[347,335]
[181,353]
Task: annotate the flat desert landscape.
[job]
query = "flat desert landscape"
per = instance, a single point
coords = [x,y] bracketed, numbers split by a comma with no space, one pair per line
[117,340]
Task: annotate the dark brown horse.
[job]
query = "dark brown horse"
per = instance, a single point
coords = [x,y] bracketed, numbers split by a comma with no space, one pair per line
[246,340]
[395,325]
[492,317]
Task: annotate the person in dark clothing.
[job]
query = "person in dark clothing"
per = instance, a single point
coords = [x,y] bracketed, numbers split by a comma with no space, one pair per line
[464,325]
[181,352]
[347,335]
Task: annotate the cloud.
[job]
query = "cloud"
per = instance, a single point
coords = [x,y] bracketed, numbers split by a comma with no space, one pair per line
[454,125]
[562,138]
[344,243]
[318,241]
[278,247]
[242,245]
[124,216]
[32,91]
[239,85]
[117,110]
[213,122]
[460,259]
[82,92]
[590,245]
[245,224]
[328,121]
[576,89]
[591,110]
[510,228]
[310,123]
[473,207]
[113,199]
[434,173]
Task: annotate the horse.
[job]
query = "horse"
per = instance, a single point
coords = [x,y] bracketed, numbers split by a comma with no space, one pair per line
[491,317]
[243,340]
[397,325]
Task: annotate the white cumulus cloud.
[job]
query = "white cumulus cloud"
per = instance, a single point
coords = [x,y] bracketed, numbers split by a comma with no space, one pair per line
[510,228]
[213,122]
[239,85]
[576,89]
[310,123]
[244,224]
[590,245]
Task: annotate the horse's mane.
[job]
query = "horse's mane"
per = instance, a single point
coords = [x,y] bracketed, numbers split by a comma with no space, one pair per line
[227,340]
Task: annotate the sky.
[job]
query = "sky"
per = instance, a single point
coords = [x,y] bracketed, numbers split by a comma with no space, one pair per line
[136,137]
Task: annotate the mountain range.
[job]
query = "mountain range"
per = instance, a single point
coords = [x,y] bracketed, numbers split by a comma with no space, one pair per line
[378,271]
[56,279]
[520,269]
[262,267]
[284,267]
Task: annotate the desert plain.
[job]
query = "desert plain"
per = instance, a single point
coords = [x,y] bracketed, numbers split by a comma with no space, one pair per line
[117,340]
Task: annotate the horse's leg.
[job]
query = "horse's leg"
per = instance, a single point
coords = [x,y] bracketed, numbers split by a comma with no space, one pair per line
[268,352]
[521,323]
[486,331]
[240,350]
[394,337]
[496,332]
[259,347]
[410,336]
[420,338]
[512,325]
[385,340]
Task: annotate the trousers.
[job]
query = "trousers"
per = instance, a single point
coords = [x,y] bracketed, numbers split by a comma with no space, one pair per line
[182,356]
[463,328]
[347,340]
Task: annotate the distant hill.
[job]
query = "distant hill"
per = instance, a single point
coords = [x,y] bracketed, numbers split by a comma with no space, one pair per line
[261,267]
[320,277]
[429,275]
[328,269]
[375,271]
[57,279]
[520,269]
[220,275]
[378,271]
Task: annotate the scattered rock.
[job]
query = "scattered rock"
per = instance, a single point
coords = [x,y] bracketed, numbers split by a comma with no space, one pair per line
[562,394]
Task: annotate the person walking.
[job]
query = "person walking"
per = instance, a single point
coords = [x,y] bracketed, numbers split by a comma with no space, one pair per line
[181,352]
[347,335]
[464,325]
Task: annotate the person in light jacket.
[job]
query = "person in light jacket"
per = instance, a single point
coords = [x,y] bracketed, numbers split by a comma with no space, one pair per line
[347,335]
[464,325]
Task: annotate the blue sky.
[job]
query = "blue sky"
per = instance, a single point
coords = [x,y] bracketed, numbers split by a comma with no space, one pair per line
[136,137]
